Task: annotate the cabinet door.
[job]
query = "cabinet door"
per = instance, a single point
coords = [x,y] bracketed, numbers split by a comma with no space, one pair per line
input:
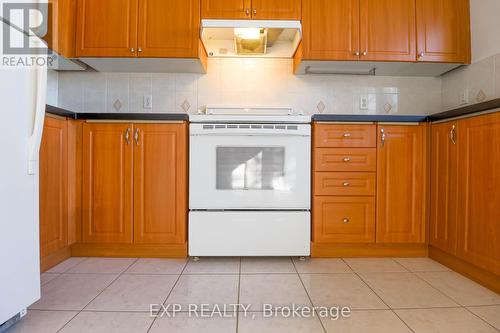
[401,183]
[443,31]
[107,183]
[226,9]
[276,9]
[479,188]
[168,28]
[106,28]
[53,187]
[160,183]
[330,29]
[387,30]
[444,187]
[344,219]
[61,25]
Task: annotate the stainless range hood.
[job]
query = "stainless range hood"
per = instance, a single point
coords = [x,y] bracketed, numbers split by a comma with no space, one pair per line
[251,38]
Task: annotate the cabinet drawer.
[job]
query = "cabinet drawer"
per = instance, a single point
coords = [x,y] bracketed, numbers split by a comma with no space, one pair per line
[361,136]
[344,183]
[345,159]
[344,219]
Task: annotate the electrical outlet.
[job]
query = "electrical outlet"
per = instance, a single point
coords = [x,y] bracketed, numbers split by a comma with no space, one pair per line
[363,103]
[464,97]
[148,102]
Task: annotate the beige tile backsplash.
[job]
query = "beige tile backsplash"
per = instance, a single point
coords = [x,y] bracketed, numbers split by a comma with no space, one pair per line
[270,82]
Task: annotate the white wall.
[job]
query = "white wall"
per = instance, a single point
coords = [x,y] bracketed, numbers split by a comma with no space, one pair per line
[247,82]
[485,28]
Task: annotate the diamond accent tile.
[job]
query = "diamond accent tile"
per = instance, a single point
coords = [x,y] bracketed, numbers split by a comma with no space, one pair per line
[481,96]
[117,105]
[321,107]
[387,107]
[185,105]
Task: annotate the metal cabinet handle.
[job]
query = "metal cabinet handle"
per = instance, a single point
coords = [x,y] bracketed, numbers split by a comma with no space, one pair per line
[382,137]
[255,12]
[139,50]
[136,136]
[453,135]
[346,220]
[127,136]
[421,54]
[347,135]
[347,159]
[247,12]
[346,184]
[132,50]
[364,53]
[357,53]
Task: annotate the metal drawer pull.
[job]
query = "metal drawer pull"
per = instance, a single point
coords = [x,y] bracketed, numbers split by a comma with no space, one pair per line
[347,159]
[346,184]
[346,220]
[127,135]
[136,136]
[452,135]
[247,12]
[383,136]
[347,135]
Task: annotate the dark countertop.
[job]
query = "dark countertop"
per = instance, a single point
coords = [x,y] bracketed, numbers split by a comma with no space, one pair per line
[116,116]
[466,110]
[369,118]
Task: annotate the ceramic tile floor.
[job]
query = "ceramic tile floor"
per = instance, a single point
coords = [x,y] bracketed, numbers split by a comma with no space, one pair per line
[94,295]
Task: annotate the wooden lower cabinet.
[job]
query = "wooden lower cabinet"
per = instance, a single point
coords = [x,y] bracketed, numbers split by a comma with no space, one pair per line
[479,191]
[134,184]
[53,188]
[344,219]
[401,183]
[107,199]
[160,187]
[444,187]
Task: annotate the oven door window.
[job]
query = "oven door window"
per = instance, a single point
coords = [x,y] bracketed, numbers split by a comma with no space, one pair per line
[250,168]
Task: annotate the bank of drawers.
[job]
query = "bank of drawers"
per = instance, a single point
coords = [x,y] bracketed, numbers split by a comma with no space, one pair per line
[344,183]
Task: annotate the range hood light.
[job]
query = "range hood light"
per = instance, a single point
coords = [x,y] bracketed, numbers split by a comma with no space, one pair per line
[247,33]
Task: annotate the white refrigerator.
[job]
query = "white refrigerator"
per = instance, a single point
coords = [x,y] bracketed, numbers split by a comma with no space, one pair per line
[22,109]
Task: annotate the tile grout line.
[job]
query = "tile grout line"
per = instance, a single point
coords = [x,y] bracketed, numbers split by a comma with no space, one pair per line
[308,296]
[466,309]
[376,294]
[169,293]
[120,274]
[238,300]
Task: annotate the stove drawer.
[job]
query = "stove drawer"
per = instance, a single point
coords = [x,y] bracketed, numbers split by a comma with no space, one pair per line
[345,159]
[344,183]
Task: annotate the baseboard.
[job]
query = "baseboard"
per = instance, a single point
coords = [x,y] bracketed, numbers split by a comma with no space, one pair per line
[481,276]
[55,258]
[319,250]
[129,250]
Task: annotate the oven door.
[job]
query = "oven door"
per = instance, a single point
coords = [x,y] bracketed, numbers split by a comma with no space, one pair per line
[250,168]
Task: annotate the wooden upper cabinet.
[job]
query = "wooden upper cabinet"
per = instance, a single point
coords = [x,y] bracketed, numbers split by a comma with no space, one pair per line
[479,191]
[387,30]
[443,30]
[107,183]
[61,27]
[401,184]
[53,187]
[276,9]
[168,28]
[160,183]
[226,9]
[107,28]
[330,29]
[444,187]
